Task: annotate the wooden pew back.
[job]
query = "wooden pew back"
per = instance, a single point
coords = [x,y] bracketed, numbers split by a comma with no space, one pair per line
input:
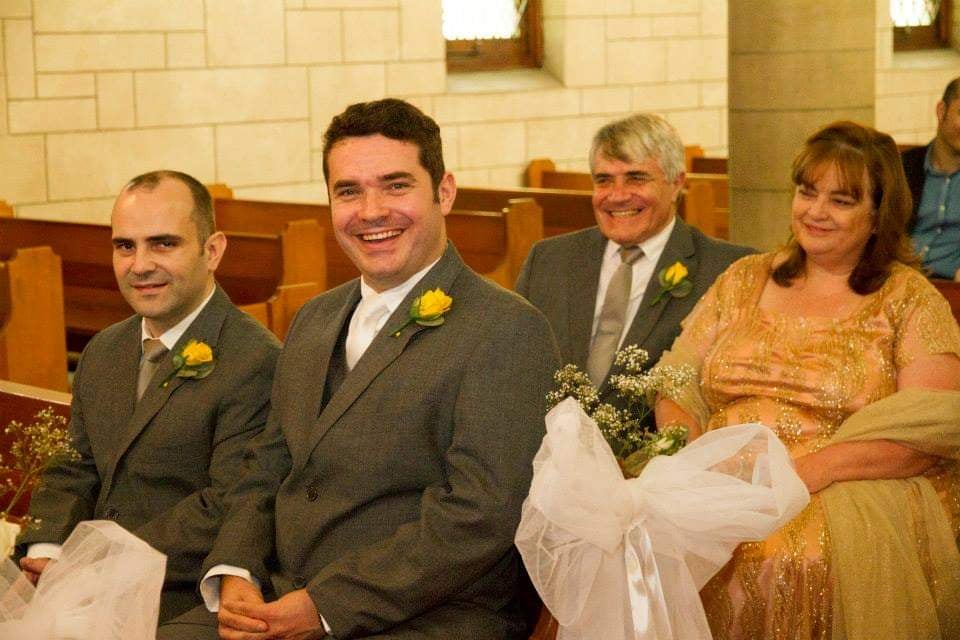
[21,402]
[950,291]
[251,271]
[563,211]
[494,242]
[33,346]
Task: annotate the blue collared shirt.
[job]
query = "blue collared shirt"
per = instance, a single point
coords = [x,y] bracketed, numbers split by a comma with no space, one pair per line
[937,234]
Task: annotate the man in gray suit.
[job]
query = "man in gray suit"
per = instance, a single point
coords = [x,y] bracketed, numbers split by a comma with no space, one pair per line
[157,450]
[601,288]
[383,496]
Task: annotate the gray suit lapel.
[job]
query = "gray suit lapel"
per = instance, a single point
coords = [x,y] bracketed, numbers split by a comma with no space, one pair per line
[582,286]
[206,328]
[679,247]
[384,349]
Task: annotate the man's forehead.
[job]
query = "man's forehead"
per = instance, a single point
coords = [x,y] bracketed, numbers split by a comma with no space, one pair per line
[373,154]
[605,164]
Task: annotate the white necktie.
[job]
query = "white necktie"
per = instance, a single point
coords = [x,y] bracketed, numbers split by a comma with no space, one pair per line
[364,326]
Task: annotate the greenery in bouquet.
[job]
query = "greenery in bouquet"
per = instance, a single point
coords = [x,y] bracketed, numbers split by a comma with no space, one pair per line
[623,426]
[32,449]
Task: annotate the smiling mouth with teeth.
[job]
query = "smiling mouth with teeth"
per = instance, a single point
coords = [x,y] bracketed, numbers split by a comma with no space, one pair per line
[624,214]
[383,235]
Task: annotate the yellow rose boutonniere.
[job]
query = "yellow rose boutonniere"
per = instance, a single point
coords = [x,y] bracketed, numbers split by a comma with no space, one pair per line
[427,310]
[195,360]
[673,280]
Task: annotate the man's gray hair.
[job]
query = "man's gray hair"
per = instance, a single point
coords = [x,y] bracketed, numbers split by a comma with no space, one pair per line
[641,137]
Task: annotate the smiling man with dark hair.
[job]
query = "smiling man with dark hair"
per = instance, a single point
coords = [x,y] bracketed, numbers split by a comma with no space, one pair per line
[382,499]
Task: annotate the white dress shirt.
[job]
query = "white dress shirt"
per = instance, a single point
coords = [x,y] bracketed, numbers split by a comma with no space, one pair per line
[642,272]
[371,299]
[169,339]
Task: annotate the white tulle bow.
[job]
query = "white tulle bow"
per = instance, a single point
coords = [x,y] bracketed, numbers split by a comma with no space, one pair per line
[106,585]
[625,559]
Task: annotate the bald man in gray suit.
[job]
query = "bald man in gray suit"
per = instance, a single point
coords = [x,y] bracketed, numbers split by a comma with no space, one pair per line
[156,458]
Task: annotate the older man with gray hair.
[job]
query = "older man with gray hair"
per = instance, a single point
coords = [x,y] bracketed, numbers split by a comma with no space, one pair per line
[632,278]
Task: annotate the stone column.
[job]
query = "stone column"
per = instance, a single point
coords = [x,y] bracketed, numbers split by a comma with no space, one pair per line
[794,65]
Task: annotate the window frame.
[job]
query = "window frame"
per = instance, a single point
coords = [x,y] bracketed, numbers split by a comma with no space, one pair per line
[933,36]
[490,54]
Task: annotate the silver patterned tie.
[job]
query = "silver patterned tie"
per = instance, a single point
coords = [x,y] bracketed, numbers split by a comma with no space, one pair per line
[153,352]
[612,316]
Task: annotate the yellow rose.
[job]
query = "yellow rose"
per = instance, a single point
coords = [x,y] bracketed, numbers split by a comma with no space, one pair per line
[676,273]
[434,304]
[197,353]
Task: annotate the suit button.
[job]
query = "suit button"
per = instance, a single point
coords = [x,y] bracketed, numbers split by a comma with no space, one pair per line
[111,513]
[312,493]
[299,582]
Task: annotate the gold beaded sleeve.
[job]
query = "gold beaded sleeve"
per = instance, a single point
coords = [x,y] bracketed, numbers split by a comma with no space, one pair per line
[924,323]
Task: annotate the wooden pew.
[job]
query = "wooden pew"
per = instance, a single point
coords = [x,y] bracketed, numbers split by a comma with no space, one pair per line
[704,164]
[252,273]
[705,207]
[493,241]
[563,211]
[950,291]
[33,348]
[21,402]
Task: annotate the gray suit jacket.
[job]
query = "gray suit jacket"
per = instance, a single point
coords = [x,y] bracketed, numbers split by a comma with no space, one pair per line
[159,467]
[561,274]
[395,503]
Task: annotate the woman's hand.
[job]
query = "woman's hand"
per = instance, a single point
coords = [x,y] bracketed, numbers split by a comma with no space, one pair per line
[813,472]
[867,460]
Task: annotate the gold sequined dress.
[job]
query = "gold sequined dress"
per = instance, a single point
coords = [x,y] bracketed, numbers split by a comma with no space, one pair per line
[802,376]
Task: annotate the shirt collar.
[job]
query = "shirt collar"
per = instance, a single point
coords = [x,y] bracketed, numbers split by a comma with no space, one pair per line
[391,298]
[170,337]
[932,170]
[652,246]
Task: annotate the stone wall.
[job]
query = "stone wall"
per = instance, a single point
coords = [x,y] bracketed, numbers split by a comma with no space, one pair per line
[240,91]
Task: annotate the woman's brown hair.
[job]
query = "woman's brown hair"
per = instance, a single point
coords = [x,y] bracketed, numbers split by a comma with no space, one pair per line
[855,149]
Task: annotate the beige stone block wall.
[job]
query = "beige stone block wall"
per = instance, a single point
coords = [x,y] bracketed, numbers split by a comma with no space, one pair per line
[65,85]
[245,32]
[241,91]
[115,101]
[909,84]
[67,114]
[97,165]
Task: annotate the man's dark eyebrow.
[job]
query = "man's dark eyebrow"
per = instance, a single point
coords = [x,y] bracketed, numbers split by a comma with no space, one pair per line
[339,184]
[165,237]
[397,175]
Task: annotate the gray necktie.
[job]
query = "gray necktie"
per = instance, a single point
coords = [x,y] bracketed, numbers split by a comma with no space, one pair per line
[153,352]
[613,315]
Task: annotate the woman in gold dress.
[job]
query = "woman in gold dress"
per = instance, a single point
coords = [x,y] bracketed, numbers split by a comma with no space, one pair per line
[852,357]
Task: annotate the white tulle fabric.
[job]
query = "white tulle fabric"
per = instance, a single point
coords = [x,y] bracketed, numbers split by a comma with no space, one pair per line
[625,559]
[105,586]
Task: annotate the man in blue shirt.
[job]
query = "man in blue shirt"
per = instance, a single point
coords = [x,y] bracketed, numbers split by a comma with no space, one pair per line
[933,172]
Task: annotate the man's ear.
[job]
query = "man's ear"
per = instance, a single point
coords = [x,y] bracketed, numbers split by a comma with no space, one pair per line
[941,111]
[447,192]
[677,185]
[214,248]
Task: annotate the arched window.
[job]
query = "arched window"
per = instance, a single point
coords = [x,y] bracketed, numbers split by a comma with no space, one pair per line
[920,24]
[492,34]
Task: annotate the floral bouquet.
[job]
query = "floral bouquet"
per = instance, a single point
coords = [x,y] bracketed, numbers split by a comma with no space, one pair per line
[616,557]
[106,583]
[624,427]
[33,448]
